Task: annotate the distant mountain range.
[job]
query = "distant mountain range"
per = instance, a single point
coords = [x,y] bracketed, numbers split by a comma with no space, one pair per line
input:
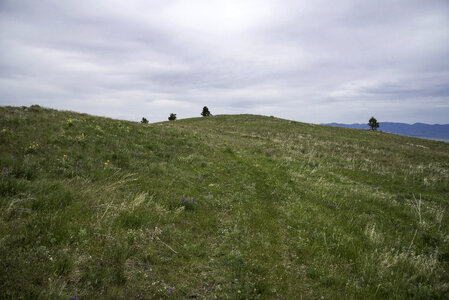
[421,130]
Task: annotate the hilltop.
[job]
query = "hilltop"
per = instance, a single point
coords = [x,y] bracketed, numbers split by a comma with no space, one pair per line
[237,206]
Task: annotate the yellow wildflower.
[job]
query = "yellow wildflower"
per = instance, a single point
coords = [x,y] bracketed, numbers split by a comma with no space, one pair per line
[33,146]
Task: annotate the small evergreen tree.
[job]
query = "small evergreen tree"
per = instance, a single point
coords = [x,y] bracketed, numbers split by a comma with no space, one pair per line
[144,121]
[206,112]
[373,124]
[172,117]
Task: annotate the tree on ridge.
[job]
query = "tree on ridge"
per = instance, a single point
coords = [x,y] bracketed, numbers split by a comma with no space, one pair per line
[373,124]
[206,112]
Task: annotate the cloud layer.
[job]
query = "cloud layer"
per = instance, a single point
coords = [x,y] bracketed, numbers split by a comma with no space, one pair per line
[313,61]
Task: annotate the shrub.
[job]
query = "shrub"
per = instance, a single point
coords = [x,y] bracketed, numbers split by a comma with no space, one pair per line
[172,117]
[35,108]
[144,121]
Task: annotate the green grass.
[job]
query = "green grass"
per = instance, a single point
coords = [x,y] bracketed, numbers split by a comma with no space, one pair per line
[92,208]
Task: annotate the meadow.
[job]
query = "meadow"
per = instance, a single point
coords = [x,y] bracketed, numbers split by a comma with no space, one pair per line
[228,207]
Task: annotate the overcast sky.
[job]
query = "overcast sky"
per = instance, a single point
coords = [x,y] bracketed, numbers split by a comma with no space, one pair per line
[312,61]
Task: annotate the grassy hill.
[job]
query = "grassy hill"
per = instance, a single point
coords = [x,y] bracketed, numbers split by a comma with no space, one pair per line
[228,206]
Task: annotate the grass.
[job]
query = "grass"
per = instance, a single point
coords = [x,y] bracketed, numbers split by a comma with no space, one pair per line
[92,207]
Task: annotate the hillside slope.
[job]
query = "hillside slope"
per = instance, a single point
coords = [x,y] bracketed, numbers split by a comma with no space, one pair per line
[421,130]
[94,207]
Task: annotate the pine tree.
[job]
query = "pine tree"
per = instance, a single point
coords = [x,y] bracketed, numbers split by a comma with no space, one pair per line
[206,112]
[373,124]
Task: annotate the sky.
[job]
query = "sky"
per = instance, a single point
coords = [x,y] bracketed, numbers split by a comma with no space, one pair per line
[311,61]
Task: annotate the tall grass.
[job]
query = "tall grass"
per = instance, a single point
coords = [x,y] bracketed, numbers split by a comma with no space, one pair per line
[97,208]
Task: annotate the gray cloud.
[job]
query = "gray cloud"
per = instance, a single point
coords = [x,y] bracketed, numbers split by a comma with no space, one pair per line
[314,61]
